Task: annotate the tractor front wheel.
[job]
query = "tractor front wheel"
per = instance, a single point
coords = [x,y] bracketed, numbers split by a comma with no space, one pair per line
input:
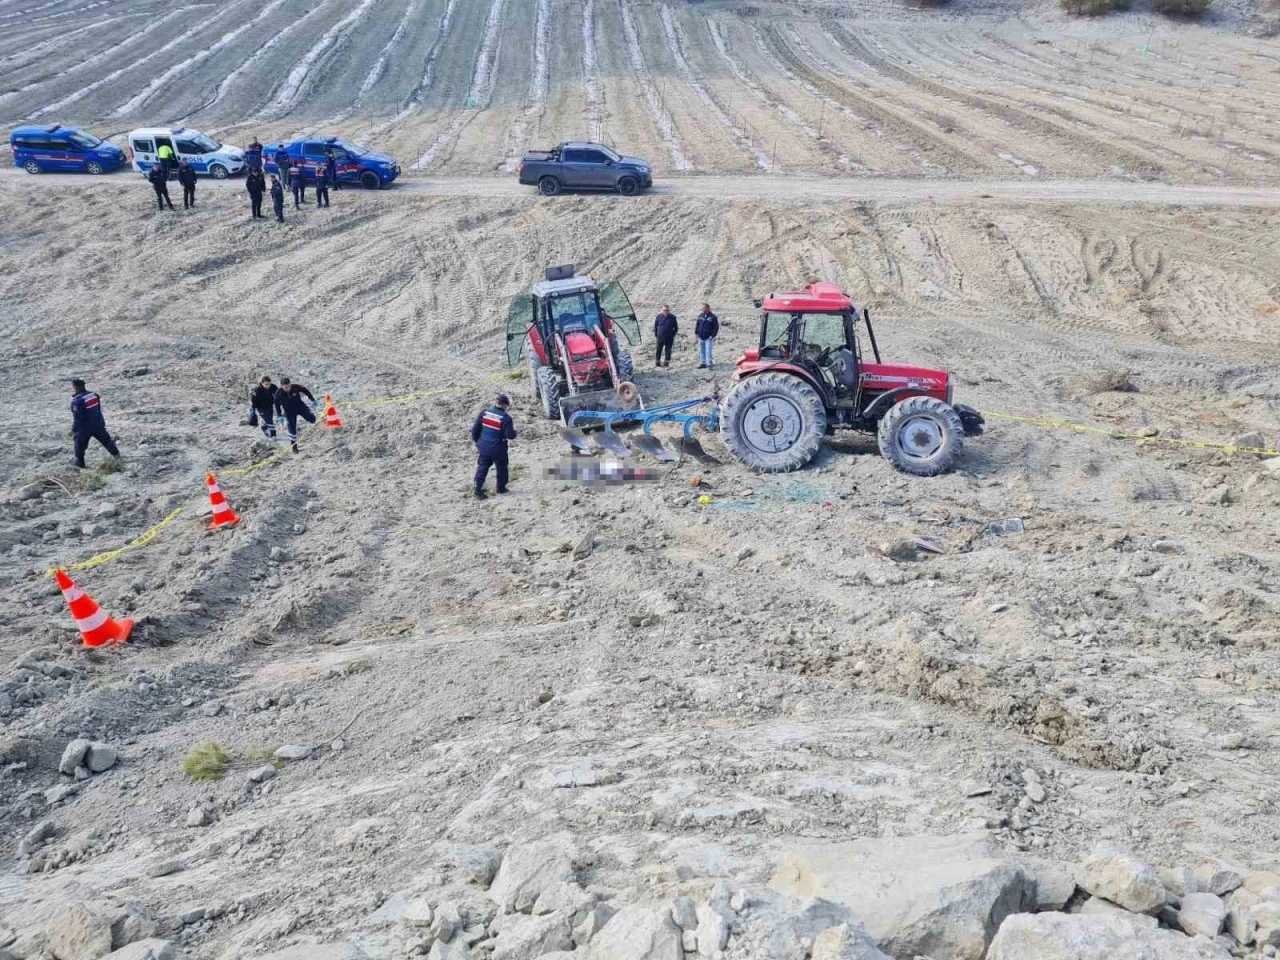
[625,364]
[921,435]
[534,366]
[549,390]
[774,422]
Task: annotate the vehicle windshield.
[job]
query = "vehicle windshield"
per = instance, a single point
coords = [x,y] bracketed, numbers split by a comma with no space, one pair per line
[577,311]
[205,143]
[84,140]
[822,330]
[351,148]
[609,153]
[776,324]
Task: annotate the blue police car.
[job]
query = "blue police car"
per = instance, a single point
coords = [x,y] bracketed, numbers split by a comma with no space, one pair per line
[355,164]
[59,149]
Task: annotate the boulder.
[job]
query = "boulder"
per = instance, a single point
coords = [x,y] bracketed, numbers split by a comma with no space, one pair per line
[638,933]
[1179,881]
[845,942]
[592,922]
[472,862]
[449,951]
[292,751]
[1202,913]
[1217,880]
[713,931]
[101,756]
[73,756]
[938,896]
[1112,874]
[1111,936]
[685,913]
[1267,917]
[527,938]
[1096,905]
[150,949]
[1262,882]
[79,932]
[530,868]
[1055,881]
[1240,923]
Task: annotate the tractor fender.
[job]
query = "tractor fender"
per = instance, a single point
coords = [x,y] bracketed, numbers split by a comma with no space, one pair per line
[879,406]
[775,367]
[536,344]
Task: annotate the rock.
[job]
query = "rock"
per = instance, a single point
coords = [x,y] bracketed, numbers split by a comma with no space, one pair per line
[1179,881]
[446,920]
[166,867]
[1218,496]
[685,913]
[1112,874]
[445,951]
[526,938]
[279,554]
[845,942]
[1219,882]
[292,751]
[1261,882]
[106,510]
[1202,913]
[262,774]
[1239,922]
[131,928]
[62,791]
[713,931]
[1113,936]
[1231,741]
[904,551]
[1055,881]
[528,869]
[938,896]
[401,908]
[472,862]
[1252,440]
[101,757]
[567,898]
[211,709]
[738,901]
[191,915]
[1096,905]
[583,548]
[88,529]
[1266,915]
[1035,792]
[150,949]
[79,933]
[580,773]
[82,773]
[1003,528]
[746,553]
[197,816]
[338,745]
[36,837]
[689,941]
[592,922]
[637,933]
[73,756]
[997,608]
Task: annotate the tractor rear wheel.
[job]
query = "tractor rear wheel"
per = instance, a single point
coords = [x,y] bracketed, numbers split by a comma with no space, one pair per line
[774,422]
[625,364]
[921,435]
[549,391]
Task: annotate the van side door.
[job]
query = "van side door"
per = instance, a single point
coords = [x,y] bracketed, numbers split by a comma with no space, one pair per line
[144,152]
[313,157]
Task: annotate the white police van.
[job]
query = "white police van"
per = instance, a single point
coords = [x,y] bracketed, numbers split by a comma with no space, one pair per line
[205,154]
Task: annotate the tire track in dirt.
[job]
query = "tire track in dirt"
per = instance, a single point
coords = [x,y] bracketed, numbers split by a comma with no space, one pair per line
[595,122]
[657,108]
[16,14]
[427,78]
[675,43]
[34,53]
[132,65]
[297,76]
[481,85]
[536,97]
[178,69]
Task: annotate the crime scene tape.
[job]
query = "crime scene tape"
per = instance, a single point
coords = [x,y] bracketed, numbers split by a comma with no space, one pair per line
[1122,435]
[139,541]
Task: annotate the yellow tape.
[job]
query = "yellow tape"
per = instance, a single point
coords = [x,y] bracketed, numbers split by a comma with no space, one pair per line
[1121,435]
[139,541]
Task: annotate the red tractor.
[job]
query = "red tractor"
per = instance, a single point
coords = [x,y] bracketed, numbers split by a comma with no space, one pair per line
[568,328]
[808,378]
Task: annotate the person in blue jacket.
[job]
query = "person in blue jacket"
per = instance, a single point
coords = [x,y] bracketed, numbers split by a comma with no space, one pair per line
[706,328]
[282,161]
[490,433]
[87,423]
[253,156]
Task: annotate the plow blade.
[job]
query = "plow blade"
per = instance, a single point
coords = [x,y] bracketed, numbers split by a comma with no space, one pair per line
[612,442]
[576,439]
[602,400]
[653,447]
[693,448]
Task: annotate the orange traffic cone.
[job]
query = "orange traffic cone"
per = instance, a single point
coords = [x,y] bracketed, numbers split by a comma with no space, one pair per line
[222,512]
[96,627]
[330,413]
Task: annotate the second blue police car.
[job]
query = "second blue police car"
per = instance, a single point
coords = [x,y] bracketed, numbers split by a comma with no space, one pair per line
[53,148]
[355,164]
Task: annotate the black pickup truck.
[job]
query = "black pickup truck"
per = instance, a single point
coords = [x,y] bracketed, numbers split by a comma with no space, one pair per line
[584,166]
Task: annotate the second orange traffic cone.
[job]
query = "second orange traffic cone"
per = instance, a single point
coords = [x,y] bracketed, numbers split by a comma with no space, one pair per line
[223,515]
[330,413]
[96,627]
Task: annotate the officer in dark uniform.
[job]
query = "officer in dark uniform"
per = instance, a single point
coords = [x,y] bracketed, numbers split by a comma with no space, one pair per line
[87,422]
[490,433]
[253,156]
[282,161]
[187,177]
[262,399]
[160,183]
[298,182]
[277,198]
[323,179]
[291,405]
[332,162]
[256,184]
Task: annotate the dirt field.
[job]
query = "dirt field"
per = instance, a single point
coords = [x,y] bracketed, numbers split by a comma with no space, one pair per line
[714,679]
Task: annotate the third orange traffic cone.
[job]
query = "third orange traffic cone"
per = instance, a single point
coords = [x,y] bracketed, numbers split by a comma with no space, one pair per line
[96,627]
[330,413]
[223,515]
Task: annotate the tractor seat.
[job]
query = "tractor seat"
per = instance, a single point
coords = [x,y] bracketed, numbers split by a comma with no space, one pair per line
[774,353]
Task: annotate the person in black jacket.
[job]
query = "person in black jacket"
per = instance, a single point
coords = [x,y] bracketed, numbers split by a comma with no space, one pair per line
[87,423]
[281,157]
[159,178]
[665,328]
[262,400]
[277,198]
[322,184]
[256,184]
[490,433]
[298,183]
[291,405]
[332,161]
[705,328]
[253,156]
[187,177]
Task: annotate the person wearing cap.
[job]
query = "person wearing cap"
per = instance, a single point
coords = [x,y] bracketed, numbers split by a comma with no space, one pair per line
[87,423]
[490,433]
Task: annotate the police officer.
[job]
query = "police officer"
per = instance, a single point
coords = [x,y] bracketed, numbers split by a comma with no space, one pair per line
[253,156]
[87,423]
[167,159]
[262,400]
[331,162]
[322,181]
[490,433]
[277,198]
[187,177]
[291,405]
[160,183]
[298,183]
[282,161]
[256,184]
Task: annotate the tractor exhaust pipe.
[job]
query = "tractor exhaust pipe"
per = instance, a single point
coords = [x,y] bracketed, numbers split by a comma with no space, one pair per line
[866,319]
